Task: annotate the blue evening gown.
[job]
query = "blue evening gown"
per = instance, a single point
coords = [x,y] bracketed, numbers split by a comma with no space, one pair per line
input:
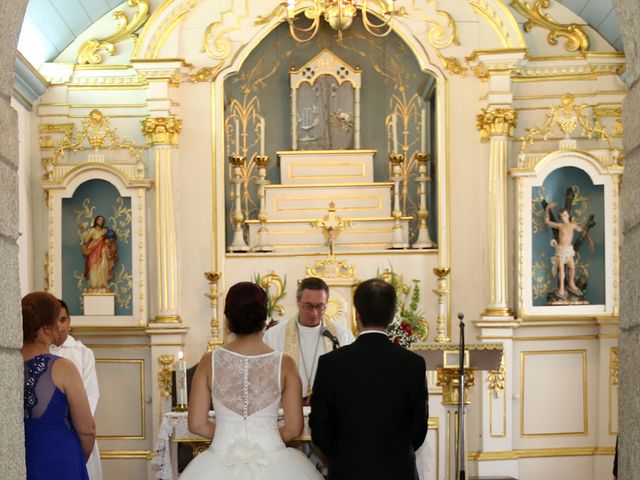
[53,450]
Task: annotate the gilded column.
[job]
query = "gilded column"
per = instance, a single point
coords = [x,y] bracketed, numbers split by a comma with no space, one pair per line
[497,125]
[162,133]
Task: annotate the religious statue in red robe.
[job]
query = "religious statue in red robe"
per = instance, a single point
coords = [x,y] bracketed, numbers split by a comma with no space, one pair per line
[100,251]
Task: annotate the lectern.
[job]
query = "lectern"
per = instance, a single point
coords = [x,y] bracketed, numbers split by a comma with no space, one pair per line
[444,358]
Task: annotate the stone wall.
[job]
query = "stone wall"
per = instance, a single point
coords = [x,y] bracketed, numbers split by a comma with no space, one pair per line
[628,12]
[11,377]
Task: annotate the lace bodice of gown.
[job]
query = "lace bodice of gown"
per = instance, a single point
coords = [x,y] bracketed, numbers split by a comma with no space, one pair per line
[246,398]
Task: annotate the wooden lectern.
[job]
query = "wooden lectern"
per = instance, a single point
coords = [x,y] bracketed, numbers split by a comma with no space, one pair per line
[444,358]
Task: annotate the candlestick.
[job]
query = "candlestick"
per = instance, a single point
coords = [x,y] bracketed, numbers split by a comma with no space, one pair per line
[237,137]
[262,136]
[181,383]
[423,130]
[427,128]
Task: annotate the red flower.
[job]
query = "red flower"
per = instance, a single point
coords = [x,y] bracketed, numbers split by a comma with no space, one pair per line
[396,340]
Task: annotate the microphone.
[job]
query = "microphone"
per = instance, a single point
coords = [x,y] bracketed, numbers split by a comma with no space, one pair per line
[326,333]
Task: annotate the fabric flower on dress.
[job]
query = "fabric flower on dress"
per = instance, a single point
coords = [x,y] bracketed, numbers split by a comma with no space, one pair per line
[245,457]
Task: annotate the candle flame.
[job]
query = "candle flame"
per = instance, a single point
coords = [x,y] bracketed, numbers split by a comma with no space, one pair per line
[180,355]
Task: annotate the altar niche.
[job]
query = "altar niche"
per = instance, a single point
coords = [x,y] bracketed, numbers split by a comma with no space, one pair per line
[96,250]
[329,99]
[570,272]
[587,188]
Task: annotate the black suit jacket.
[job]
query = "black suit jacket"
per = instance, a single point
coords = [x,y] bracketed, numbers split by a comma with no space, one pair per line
[369,410]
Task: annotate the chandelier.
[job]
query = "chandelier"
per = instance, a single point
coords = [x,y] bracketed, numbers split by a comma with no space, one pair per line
[339,14]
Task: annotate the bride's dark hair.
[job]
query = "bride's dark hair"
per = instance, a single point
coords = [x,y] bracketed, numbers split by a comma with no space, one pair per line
[246,308]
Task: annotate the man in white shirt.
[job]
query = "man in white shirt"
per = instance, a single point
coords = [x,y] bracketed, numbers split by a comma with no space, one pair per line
[308,334]
[82,357]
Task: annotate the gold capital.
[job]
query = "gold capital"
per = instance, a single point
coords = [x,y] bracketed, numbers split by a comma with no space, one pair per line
[162,130]
[496,121]
[449,380]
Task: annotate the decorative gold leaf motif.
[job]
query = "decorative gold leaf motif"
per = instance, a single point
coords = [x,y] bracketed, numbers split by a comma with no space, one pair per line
[122,286]
[206,74]
[442,36]
[165,379]
[97,132]
[121,220]
[566,117]
[576,37]
[88,51]
[452,64]
[613,366]
[496,378]
[278,12]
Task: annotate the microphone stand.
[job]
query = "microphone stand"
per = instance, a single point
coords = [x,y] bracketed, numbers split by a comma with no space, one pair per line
[461,470]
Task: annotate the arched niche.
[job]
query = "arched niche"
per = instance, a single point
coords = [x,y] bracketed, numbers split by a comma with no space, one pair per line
[594,189]
[400,104]
[76,196]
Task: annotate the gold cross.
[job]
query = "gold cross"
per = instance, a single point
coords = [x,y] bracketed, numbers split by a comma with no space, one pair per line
[331,225]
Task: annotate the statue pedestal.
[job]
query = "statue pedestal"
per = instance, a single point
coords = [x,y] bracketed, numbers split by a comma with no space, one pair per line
[99,304]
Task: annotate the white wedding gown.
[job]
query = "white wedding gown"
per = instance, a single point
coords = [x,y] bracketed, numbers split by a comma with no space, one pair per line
[247,444]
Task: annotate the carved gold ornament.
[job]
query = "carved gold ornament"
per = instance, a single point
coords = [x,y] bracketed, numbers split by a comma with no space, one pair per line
[496,121]
[206,74]
[165,380]
[576,37]
[339,14]
[97,132]
[88,51]
[332,268]
[566,117]
[441,35]
[496,378]
[162,130]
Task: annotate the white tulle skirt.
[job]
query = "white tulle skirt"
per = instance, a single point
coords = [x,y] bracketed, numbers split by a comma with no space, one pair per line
[283,464]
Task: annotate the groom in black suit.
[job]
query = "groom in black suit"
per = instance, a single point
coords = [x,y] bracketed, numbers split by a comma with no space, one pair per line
[369,406]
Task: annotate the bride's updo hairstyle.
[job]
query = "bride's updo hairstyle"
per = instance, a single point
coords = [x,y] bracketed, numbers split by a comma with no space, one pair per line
[246,308]
[39,309]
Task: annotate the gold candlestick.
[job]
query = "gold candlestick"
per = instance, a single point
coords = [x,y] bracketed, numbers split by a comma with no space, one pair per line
[215,340]
[442,291]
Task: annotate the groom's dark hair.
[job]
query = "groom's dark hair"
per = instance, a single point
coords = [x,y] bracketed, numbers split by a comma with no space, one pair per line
[375,301]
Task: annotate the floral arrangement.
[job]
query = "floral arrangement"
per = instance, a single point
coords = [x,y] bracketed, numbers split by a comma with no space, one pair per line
[342,120]
[401,333]
[409,325]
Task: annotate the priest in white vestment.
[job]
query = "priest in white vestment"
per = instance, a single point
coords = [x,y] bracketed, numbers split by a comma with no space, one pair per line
[82,357]
[308,334]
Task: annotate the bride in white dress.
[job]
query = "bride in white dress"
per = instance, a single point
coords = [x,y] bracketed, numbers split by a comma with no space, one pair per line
[247,382]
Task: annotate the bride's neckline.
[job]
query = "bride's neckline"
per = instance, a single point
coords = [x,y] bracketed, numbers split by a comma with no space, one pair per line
[249,356]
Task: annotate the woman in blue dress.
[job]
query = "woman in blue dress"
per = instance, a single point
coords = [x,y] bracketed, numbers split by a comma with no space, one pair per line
[58,426]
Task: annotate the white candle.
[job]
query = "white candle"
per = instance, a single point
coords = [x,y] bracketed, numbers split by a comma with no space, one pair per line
[262,136]
[237,137]
[181,380]
[423,130]
[394,133]
[428,128]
